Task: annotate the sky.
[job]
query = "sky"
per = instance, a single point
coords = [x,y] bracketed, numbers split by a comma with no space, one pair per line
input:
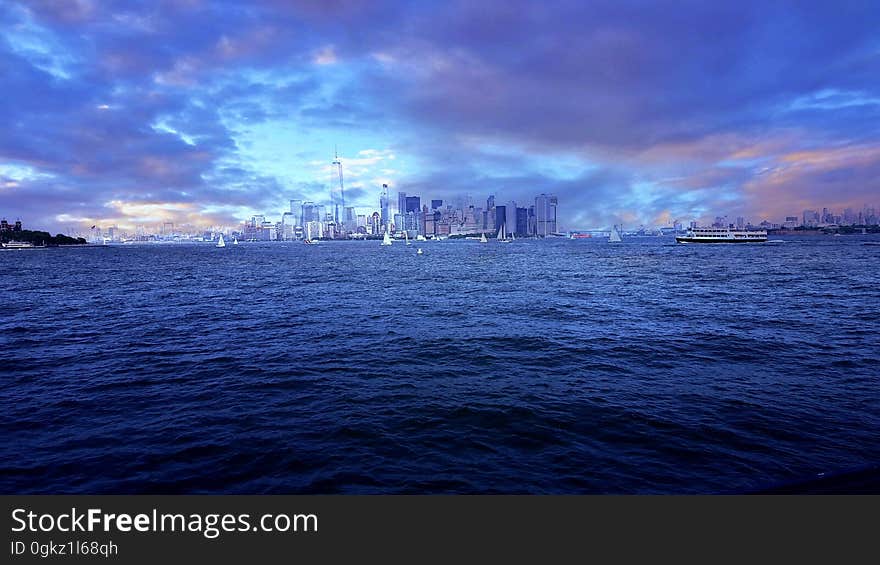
[204,113]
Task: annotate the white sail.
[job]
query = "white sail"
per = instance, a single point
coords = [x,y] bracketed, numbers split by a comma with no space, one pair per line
[614,236]
[483,238]
[386,240]
[221,243]
[406,237]
[234,240]
[500,235]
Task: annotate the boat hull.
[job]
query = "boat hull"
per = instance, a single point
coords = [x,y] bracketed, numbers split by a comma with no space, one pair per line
[718,240]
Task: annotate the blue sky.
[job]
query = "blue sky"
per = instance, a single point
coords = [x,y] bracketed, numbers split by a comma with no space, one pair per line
[203,113]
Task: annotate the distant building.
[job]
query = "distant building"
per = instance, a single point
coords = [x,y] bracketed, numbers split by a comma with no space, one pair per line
[500,217]
[810,218]
[375,225]
[385,216]
[296,212]
[401,203]
[522,221]
[545,214]
[311,213]
[349,218]
[412,204]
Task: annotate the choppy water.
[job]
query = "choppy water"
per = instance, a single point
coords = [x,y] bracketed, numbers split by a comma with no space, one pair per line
[540,366]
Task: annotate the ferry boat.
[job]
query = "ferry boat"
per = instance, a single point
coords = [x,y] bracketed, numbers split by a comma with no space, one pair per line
[722,235]
[18,245]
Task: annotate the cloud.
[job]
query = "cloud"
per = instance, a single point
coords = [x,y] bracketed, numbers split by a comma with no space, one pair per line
[626,110]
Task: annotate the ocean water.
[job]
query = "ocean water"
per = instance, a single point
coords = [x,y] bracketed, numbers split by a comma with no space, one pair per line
[535,367]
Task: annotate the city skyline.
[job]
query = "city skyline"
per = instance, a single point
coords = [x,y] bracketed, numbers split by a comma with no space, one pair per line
[204,114]
[460,216]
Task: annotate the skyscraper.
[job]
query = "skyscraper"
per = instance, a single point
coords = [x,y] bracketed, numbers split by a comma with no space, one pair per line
[510,218]
[545,214]
[522,221]
[500,217]
[412,204]
[385,217]
[296,211]
[310,213]
[349,218]
[401,203]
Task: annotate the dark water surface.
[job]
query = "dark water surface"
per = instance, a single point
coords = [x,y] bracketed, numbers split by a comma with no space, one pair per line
[535,367]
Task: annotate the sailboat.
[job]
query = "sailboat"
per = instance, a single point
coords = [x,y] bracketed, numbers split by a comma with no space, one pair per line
[234,240]
[386,240]
[513,237]
[501,236]
[483,238]
[308,239]
[614,236]
[221,243]
[406,237]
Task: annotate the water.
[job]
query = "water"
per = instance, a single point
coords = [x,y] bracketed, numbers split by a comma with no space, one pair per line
[535,367]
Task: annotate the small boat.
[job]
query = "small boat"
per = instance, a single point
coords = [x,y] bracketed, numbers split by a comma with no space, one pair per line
[221,243]
[419,252]
[386,239]
[234,240]
[614,236]
[420,237]
[501,237]
[406,237]
[483,238]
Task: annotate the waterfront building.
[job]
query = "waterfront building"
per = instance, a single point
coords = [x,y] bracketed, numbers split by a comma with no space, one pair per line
[412,204]
[510,218]
[545,214]
[810,218]
[500,217]
[522,221]
[349,218]
[401,203]
[385,217]
[296,212]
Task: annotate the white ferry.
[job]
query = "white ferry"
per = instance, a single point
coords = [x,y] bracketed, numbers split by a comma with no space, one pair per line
[17,245]
[722,235]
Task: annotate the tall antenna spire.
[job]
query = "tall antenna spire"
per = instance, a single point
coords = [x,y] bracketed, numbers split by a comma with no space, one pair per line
[338,164]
